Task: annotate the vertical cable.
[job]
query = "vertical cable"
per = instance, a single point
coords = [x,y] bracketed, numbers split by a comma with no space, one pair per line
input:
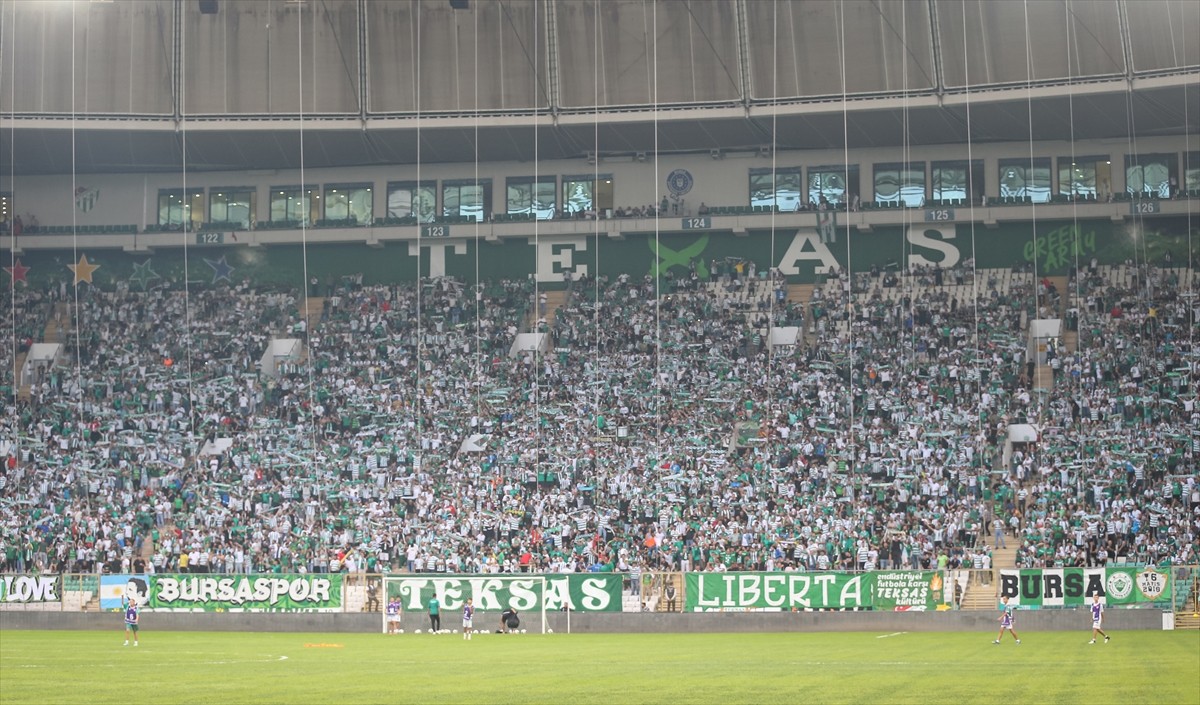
[478,286]
[418,405]
[1029,175]
[187,225]
[657,386]
[75,233]
[977,347]
[539,354]
[770,413]
[844,206]
[312,418]
[5,27]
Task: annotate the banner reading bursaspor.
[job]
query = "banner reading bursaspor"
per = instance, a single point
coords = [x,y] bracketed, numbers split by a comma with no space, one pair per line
[246,593]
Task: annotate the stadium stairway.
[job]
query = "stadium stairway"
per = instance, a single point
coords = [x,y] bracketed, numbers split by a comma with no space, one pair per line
[1071,340]
[555,299]
[982,595]
[1043,378]
[62,314]
[23,390]
[312,310]
[802,294]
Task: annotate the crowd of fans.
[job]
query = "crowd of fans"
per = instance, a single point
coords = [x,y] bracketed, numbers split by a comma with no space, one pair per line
[659,429]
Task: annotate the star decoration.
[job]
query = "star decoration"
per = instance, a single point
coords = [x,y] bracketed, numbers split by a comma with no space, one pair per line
[18,272]
[221,269]
[83,270]
[142,274]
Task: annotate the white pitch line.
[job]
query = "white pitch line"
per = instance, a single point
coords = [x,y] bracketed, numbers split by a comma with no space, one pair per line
[884,636]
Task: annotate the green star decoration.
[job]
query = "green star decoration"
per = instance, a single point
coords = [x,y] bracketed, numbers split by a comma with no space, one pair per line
[143,274]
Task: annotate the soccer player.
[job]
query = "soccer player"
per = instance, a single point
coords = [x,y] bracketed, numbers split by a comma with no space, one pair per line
[468,614]
[131,621]
[1006,622]
[1097,619]
[435,617]
[393,615]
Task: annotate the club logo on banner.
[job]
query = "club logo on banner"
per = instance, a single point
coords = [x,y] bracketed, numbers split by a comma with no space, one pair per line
[1119,585]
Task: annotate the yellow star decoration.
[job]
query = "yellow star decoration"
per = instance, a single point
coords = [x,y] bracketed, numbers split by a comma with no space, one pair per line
[83,270]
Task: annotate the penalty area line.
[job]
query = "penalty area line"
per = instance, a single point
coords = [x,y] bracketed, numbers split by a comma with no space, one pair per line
[884,636]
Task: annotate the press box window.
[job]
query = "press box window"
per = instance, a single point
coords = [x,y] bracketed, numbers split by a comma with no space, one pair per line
[834,183]
[587,193]
[295,204]
[1152,175]
[903,183]
[1025,180]
[349,202]
[411,199]
[234,205]
[526,196]
[467,198]
[780,189]
[175,210]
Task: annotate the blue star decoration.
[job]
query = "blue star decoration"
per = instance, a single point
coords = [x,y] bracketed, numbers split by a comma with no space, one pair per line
[221,269]
[142,274]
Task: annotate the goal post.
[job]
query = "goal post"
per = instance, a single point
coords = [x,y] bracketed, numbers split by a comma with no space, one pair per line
[491,595]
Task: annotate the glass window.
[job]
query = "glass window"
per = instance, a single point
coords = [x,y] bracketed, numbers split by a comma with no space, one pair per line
[410,199]
[1191,172]
[234,204]
[957,180]
[587,194]
[833,184]
[1152,175]
[352,202]
[295,204]
[1025,179]
[526,195]
[781,188]
[1085,177]
[900,182]
[467,198]
[177,211]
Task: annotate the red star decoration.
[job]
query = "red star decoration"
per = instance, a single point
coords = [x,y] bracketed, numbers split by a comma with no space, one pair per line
[18,272]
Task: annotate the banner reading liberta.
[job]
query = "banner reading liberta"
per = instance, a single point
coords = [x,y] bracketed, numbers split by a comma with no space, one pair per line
[1067,587]
[583,592]
[245,593]
[732,592]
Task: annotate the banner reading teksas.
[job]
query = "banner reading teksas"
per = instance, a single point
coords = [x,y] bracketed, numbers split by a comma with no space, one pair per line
[246,593]
[1069,587]
[908,590]
[775,592]
[583,592]
[29,588]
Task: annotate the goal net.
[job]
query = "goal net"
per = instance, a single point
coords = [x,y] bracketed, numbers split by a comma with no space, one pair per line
[491,595]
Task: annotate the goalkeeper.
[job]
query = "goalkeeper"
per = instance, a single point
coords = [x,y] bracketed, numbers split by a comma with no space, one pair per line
[509,621]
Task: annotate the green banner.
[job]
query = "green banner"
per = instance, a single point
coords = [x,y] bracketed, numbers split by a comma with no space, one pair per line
[582,592]
[799,251]
[1070,587]
[908,590]
[245,593]
[733,592]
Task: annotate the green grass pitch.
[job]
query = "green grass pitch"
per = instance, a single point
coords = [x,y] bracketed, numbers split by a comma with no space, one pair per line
[925,668]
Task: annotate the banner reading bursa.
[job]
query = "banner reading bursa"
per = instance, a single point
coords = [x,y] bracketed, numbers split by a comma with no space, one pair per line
[1068,587]
[732,592]
[582,592]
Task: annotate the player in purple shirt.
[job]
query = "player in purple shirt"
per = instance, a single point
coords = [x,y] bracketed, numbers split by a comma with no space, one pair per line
[1006,622]
[1097,619]
[131,621]
[468,614]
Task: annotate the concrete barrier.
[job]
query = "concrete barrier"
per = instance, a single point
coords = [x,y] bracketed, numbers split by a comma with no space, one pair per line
[599,623]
